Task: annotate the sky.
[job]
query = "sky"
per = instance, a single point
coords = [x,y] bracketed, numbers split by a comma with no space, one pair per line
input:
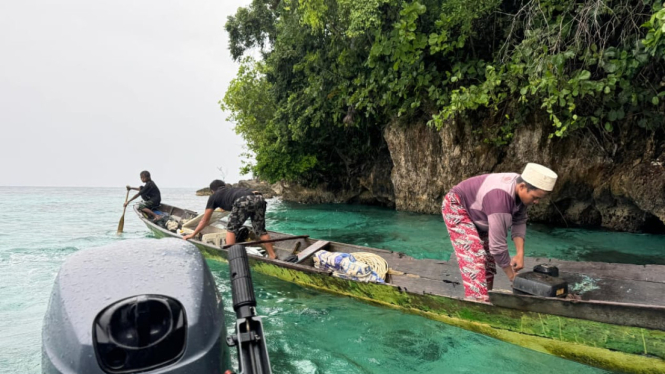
[94,92]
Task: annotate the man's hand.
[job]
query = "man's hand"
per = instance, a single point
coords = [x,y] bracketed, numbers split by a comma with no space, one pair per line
[187,237]
[125,204]
[509,272]
[517,263]
[128,188]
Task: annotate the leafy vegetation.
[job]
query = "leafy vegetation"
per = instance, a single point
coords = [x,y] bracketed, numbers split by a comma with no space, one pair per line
[333,73]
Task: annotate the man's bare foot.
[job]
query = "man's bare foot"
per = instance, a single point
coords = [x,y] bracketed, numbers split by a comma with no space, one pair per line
[156,217]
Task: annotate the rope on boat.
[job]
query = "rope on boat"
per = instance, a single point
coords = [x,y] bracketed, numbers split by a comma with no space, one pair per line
[376,262]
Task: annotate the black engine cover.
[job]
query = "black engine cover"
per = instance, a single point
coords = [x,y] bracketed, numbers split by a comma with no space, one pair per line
[539,284]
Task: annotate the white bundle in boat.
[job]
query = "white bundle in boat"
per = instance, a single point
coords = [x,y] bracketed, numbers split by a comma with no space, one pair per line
[345,265]
[376,262]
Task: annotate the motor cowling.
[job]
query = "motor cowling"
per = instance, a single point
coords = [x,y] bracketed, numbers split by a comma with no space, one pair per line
[135,306]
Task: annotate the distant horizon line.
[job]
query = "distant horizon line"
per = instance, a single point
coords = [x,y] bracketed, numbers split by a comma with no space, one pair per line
[123,187]
[133,185]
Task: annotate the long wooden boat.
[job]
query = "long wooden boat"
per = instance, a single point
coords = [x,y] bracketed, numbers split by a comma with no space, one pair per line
[617,323]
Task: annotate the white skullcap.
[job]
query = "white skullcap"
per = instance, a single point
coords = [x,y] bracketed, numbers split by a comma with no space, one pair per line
[539,176]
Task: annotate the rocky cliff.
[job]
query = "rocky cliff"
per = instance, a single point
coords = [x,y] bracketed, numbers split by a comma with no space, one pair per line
[613,182]
[603,182]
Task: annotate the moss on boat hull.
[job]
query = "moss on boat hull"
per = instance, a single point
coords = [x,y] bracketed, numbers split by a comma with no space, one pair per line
[607,346]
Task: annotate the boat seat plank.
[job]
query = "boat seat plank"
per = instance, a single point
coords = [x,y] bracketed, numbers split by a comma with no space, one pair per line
[309,251]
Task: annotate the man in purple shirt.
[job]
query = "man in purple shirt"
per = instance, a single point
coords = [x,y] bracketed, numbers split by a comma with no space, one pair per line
[479,212]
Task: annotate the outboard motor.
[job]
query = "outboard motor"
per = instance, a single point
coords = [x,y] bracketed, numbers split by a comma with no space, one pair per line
[249,337]
[135,306]
[542,281]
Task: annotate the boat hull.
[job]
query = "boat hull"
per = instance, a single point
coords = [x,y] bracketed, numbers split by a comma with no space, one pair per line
[608,346]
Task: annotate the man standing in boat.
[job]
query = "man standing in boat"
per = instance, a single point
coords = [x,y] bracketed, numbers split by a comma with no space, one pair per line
[243,203]
[150,194]
[478,213]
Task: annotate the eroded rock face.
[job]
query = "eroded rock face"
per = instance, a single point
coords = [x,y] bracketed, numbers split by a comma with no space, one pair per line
[426,163]
[620,186]
[373,187]
[603,182]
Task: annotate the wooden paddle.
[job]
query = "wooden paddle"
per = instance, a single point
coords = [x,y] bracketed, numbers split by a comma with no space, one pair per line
[121,224]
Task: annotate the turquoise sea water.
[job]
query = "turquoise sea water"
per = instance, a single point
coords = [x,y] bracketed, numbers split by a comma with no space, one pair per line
[308,331]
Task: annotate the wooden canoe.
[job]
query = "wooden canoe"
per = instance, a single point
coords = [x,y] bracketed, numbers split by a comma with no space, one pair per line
[617,322]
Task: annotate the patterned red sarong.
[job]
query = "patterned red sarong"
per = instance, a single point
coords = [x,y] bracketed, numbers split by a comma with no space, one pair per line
[471,248]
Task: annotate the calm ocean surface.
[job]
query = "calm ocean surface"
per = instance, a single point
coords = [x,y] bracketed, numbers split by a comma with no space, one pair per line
[308,331]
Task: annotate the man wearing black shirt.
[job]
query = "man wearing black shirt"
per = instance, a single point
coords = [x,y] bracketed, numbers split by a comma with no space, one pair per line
[150,195]
[242,203]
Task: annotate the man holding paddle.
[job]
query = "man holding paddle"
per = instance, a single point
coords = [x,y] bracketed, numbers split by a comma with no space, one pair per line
[150,195]
[243,203]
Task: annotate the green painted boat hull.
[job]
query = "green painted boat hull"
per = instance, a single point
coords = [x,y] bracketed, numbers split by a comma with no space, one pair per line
[611,347]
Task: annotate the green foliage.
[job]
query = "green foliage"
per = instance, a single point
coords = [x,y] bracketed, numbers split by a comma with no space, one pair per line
[254,26]
[654,42]
[252,108]
[339,70]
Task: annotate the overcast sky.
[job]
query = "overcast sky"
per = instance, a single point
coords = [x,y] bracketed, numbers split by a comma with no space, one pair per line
[93,92]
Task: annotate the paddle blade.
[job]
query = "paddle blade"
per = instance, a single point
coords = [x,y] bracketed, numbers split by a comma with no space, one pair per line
[121,224]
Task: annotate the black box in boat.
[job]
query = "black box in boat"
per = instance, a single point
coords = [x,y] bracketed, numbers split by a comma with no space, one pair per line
[542,281]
